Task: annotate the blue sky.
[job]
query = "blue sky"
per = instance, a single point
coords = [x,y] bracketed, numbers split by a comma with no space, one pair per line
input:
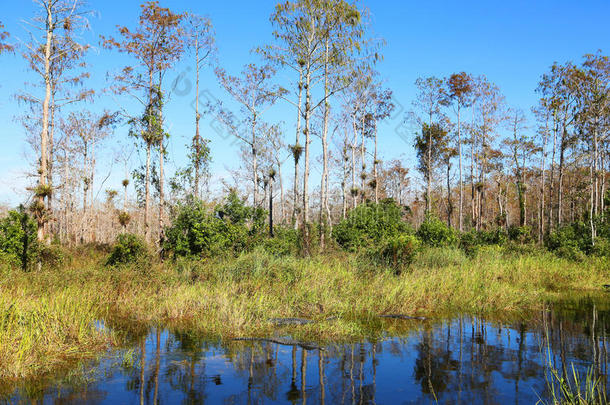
[512,43]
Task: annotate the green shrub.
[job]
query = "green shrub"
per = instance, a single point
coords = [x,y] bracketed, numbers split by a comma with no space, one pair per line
[520,234]
[568,239]
[570,252]
[235,211]
[472,241]
[496,236]
[196,231]
[285,243]
[434,232]
[18,243]
[397,251]
[601,247]
[369,224]
[128,248]
[53,255]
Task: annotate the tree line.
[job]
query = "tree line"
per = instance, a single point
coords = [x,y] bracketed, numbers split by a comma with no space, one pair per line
[484,164]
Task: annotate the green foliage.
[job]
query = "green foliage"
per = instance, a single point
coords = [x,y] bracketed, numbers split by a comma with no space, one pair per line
[436,233]
[397,251]
[53,255]
[571,241]
[128,248]
[369,224]
[18,244]
[601,247]
[285,243]
[471,241]
[520,234]
[238,213]
[196,231]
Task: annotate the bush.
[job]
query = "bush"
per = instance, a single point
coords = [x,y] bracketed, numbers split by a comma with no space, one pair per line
[434,232]
[397,251]
[196,231]
[570,252]
[53,255]
[472,241]
[18,243]
[369,224]
[601,247]
[128,248]
[285,243]
[520,234]
[235,211]
[569,239]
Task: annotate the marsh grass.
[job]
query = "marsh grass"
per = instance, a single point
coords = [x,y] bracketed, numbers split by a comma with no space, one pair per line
[574,388]
[48,318]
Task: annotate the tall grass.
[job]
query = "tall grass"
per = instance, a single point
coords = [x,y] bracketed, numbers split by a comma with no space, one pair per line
[47,318]
[574,389]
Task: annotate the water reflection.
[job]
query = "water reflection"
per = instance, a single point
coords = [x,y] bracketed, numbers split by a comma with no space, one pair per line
[465,360]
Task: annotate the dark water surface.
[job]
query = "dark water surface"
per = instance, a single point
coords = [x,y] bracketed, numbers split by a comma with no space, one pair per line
[463,361]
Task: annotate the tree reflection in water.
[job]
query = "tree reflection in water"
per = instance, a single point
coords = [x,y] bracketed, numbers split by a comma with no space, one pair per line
[466,360]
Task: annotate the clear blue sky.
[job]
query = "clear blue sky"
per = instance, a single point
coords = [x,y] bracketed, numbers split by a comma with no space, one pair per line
[512,43]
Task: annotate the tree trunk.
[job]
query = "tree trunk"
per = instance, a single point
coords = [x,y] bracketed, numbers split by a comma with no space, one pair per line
[50,161]
[305,224]
[270,206]
[461,204]
[375,163]
[44,134]
[147,193]
[324,177]
[363,163]
[429,170]
[297,154]
[449,202]
[552,179]
[161,192]
[254,164]
[353,148]
[197,118]
[562,149]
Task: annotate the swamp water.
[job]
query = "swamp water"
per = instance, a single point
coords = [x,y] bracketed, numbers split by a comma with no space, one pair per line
[465,360]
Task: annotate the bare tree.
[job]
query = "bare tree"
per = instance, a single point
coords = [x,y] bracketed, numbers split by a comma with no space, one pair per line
[255,94]
[201,43]
[156,44]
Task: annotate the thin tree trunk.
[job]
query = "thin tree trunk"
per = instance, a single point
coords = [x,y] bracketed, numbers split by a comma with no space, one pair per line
[375,164]
[44,134]
[147,193]
[324,177]
[271,206]
[542,182]
[297,154]
[306,169]
[363,163]
[461,204]
[197,118]
[50,158]
[429,164]
[353,147]
[552,179]
[254,163]
[561,177]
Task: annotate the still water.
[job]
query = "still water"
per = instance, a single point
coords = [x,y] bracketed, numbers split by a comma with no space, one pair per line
[466,360]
